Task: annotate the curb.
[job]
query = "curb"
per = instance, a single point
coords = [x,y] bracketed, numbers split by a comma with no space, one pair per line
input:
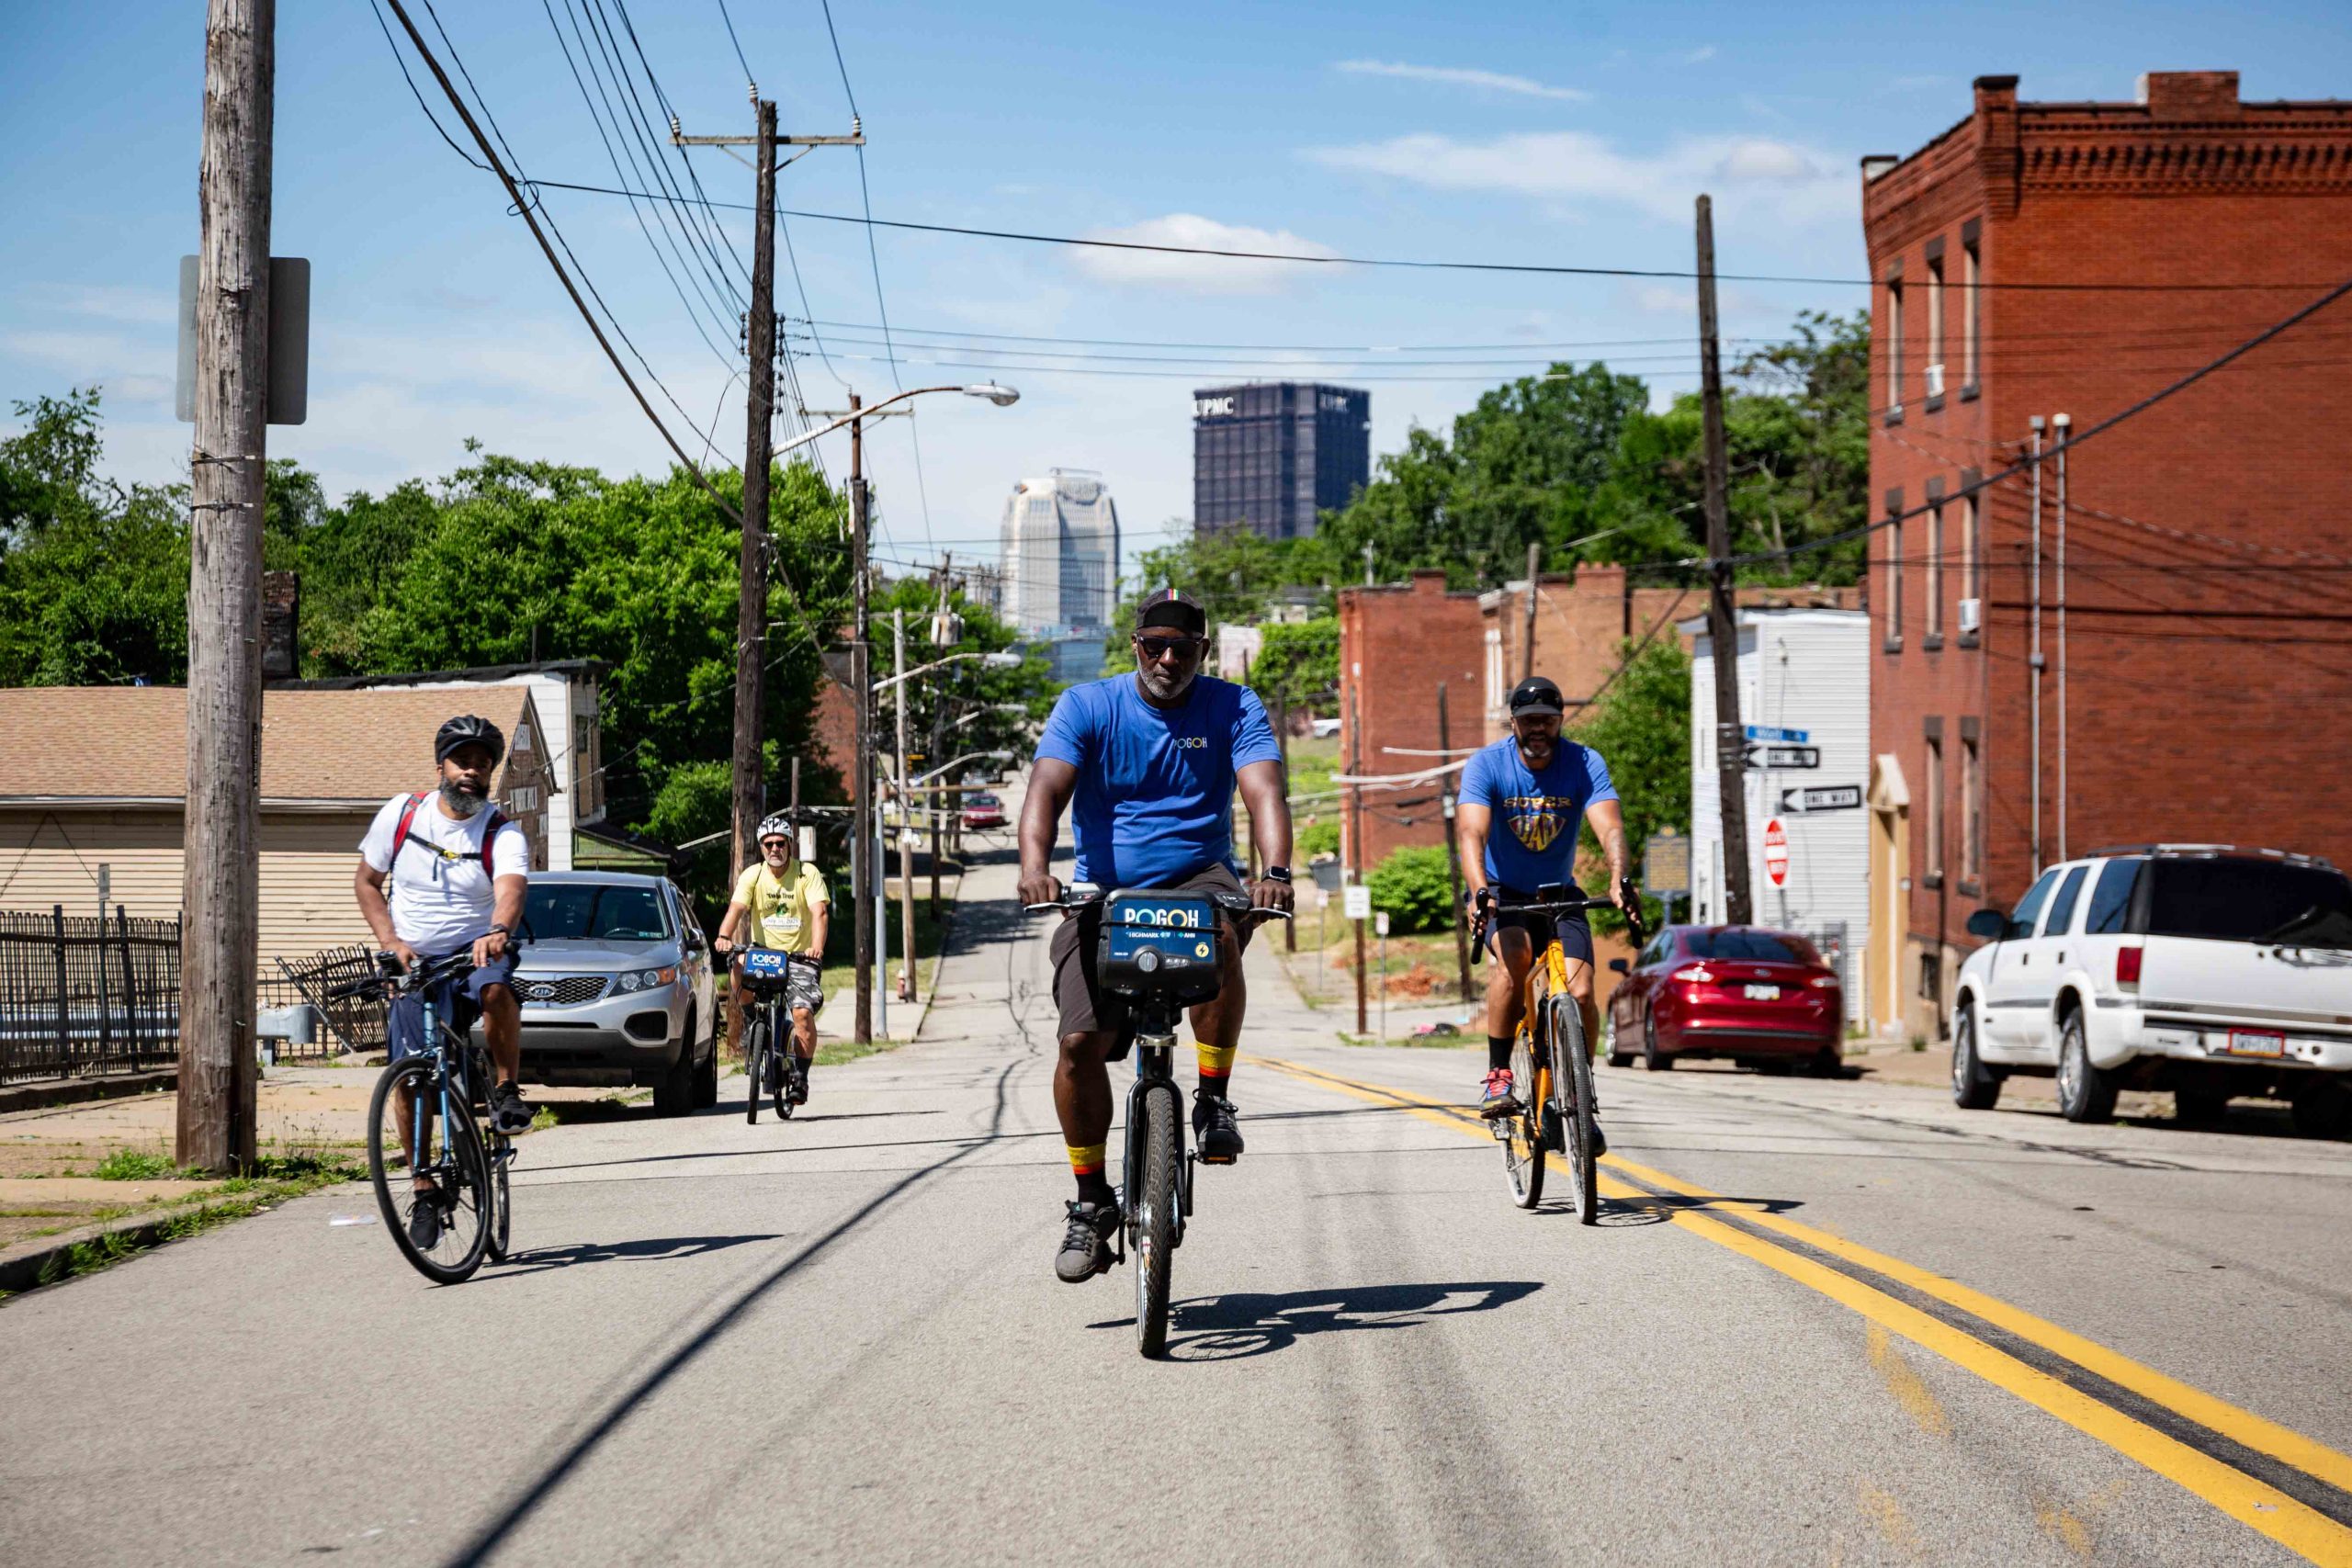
[25,1265]
[75,1091]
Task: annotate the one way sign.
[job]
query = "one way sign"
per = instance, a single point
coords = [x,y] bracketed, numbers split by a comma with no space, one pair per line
[1833,798]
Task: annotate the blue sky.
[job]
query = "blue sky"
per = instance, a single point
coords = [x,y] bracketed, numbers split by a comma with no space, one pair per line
[1562,133]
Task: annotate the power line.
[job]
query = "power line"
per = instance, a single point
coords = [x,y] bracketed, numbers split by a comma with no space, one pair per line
[747,79]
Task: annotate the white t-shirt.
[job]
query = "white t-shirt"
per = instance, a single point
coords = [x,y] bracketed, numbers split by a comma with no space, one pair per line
[441,898]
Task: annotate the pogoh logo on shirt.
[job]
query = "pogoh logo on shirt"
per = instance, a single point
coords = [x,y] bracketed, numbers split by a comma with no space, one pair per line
[1192,743]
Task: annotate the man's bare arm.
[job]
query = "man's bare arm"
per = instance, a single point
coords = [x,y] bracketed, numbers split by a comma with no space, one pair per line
[1051,784]
[1471,826]
[1261,791]
[368,885]
[1608,819]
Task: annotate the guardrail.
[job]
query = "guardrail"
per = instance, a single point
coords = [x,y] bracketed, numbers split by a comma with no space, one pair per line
[83,995]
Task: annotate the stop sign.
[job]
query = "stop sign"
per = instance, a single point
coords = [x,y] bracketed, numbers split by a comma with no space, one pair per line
[1776,852]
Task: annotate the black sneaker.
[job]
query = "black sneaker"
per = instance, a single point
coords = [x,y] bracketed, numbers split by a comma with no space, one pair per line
[508,1114]
[1086,1244]
[1215,1129]
[425,1221]
[797,1090]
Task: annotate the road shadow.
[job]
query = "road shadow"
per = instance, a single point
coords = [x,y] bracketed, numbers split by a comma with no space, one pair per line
[651,1249]
[1241,1324]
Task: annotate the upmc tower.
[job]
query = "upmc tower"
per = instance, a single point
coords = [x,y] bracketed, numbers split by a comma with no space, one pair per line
[1273,455]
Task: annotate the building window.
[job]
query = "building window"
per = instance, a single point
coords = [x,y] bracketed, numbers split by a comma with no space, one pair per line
[1971,315]
[1894,580]
[1933,371]
[1894,345]
[1972,812]
[1935,571]
[1934,858]
[1968,588]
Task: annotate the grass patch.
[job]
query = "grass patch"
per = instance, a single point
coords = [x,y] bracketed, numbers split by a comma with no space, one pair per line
[138,1164]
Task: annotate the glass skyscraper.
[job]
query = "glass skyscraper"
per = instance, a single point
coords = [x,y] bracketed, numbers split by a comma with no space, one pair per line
[1273,456]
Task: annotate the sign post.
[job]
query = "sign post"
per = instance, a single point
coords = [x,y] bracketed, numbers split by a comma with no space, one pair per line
[1380,924]
[1776,852]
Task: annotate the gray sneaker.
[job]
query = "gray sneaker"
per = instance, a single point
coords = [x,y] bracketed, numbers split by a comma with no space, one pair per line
[1086,1244]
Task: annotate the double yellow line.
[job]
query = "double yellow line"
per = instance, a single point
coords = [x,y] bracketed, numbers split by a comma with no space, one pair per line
[2290,1488]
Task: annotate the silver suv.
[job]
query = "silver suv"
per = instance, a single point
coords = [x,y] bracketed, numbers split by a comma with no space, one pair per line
[616,987]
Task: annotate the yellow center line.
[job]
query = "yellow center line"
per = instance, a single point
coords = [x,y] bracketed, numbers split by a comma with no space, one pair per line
[2253,1503]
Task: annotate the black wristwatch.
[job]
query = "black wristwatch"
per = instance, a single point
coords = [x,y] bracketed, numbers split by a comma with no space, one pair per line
[1278,874]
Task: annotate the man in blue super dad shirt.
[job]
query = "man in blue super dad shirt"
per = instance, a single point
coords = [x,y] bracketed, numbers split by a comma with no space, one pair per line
[1148,763]
[1524,799]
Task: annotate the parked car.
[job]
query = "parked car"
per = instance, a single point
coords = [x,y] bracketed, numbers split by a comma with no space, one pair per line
[616,984]
[982,810]
[1324,729]
[1762,997]
[2204,969]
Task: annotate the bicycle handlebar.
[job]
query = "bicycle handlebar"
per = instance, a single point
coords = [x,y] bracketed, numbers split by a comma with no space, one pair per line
[389,975]
[1232,904]
[1568,900]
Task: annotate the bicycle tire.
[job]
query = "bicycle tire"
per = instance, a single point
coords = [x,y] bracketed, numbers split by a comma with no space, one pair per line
[780,1046]
[1156,1222]
[464,1165]
[501,1208]
[754,1048]
[1522,1130]
[1576,1058]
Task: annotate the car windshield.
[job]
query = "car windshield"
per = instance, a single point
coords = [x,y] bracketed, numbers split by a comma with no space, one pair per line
[592,911]
[983,798]
[2230,899]
[1759,947]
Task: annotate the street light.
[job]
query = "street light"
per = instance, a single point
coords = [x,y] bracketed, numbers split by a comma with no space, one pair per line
[1002,397]
[993,660]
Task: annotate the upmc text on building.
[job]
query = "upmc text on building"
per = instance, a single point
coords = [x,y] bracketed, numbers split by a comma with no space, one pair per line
[1272,454]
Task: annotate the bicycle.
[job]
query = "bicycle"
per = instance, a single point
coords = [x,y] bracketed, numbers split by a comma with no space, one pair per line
[767,1030]
[422,1128]
[1551,1058]
[1158,952]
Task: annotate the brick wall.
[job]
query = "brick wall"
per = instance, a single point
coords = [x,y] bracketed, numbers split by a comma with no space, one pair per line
[1398,643]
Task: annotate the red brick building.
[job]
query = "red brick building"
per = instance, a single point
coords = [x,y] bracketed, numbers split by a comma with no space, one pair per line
[2205,598]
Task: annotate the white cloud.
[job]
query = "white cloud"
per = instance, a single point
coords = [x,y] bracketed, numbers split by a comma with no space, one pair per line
[1196,273]
[1571,166]
[1462,76]
[140,306]
[1700,55]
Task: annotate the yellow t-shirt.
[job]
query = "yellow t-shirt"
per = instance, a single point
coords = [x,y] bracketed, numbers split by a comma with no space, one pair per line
[782,909]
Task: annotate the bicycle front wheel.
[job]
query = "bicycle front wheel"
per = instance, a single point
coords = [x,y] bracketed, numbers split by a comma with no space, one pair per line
[755,1036]
[1155,1212]
[431,1180]
[1575,1094]
[1522,1132]
[501,1208]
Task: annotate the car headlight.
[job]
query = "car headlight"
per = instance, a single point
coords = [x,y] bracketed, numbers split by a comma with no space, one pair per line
[631,980]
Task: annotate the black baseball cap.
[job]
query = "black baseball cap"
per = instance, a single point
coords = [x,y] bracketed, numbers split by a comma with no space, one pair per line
[1535,694]
[1166,607]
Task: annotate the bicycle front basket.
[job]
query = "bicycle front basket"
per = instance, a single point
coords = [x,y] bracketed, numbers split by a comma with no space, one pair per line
[765,967]
[1160,944]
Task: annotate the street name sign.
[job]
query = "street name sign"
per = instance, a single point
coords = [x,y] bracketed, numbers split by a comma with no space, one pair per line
[1769,732]
[1776,852]
[1832,798]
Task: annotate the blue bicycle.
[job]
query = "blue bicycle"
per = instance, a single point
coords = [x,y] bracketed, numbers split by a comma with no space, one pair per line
[440,1175]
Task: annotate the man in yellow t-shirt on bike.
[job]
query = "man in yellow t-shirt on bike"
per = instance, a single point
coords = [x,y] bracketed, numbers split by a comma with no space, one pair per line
[783,901]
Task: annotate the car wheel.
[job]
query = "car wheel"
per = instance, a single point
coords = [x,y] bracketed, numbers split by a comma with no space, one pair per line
[1829,1062]
[2323,1108]
[1654,1059]
[705,1074]
[1618,1057]
[1974,1085]
[2085,1093]
[673,1091]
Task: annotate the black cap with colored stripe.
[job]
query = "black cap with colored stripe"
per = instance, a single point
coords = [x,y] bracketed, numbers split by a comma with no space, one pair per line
[1166,607]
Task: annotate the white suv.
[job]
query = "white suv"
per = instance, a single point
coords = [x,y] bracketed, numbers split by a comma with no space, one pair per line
[2204,969]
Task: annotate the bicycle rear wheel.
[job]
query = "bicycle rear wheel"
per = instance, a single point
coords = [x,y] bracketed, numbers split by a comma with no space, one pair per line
[1522,1132]
[1575,1094]
[780,1066]
[1155,1212]
[755,1032]
[411,1134]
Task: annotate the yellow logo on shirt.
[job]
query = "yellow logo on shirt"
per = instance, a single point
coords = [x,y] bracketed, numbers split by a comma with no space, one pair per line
[1536,819]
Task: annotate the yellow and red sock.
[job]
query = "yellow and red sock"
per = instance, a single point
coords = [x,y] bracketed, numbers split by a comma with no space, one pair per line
[1216,1066]
[1086,1163]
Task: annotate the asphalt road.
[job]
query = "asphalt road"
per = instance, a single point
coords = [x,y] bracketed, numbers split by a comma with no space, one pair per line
[1900,1334]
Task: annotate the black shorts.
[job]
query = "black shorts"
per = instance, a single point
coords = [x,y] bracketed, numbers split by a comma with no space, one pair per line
[1576,933]
[1084,1009]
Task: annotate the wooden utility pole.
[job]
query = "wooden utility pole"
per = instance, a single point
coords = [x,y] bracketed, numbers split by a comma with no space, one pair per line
[860,680]
[1355,843]
[221,948]
[752,611]
[1723,619]
[906,814]
[1450,797]
[1534,581]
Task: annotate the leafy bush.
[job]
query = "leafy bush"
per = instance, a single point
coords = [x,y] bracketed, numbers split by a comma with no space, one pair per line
[135,1165]
[1413,886]
[1312,839]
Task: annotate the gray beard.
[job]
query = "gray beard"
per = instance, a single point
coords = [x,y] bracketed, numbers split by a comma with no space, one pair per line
[461,802]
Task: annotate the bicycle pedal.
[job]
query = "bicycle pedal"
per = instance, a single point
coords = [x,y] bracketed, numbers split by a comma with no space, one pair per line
[1216,1159]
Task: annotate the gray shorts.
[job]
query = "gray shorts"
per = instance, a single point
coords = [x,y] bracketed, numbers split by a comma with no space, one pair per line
[1084,1009]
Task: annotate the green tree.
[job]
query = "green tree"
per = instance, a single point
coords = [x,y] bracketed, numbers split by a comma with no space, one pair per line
[1296,660]
[1641,727]
[49,471]
[1415,887]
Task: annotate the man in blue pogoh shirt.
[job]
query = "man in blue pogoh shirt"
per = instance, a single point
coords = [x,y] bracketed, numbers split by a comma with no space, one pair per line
[1522,800]
[1148,764]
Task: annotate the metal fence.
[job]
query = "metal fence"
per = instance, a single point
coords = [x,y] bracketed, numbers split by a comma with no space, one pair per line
[305,1021]
[85,995]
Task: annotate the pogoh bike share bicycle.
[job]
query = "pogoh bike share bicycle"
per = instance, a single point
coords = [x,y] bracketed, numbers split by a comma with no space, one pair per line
[426,1150]
[1551,1061]
[1158,953]
[770,1063]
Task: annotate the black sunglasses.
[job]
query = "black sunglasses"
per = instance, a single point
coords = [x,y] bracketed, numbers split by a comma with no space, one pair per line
[1167,647]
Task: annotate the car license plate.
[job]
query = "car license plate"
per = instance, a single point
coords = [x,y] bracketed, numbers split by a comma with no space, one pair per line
[2256,1042]
[1763,993]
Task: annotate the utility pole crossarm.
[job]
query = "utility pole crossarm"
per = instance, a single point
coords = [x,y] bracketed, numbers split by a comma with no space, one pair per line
[855,140]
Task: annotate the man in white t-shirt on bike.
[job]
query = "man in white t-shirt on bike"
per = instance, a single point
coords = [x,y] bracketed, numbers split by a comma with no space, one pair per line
[442,871]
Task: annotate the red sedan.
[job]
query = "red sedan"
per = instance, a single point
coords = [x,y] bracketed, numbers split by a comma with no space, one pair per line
[1762,997]
[982,810]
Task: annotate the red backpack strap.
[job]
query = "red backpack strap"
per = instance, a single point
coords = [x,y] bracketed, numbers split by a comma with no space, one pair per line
[489,836]
[400,834]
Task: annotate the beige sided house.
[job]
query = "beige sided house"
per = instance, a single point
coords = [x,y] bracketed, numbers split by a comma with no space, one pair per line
[97,775]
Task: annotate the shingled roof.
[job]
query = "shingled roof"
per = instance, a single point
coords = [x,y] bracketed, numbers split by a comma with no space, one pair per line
[67,745]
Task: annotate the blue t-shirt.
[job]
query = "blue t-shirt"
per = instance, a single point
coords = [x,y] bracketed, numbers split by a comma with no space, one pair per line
[1534,841]
[1154,785]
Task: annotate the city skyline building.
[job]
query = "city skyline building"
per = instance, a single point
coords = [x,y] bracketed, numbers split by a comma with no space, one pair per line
[1059,580]
[1274,456]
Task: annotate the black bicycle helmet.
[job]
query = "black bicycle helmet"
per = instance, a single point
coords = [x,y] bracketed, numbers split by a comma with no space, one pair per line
[467,730]
[771,825]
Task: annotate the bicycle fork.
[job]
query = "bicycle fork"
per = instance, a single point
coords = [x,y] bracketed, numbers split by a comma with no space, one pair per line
[1154,1075]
